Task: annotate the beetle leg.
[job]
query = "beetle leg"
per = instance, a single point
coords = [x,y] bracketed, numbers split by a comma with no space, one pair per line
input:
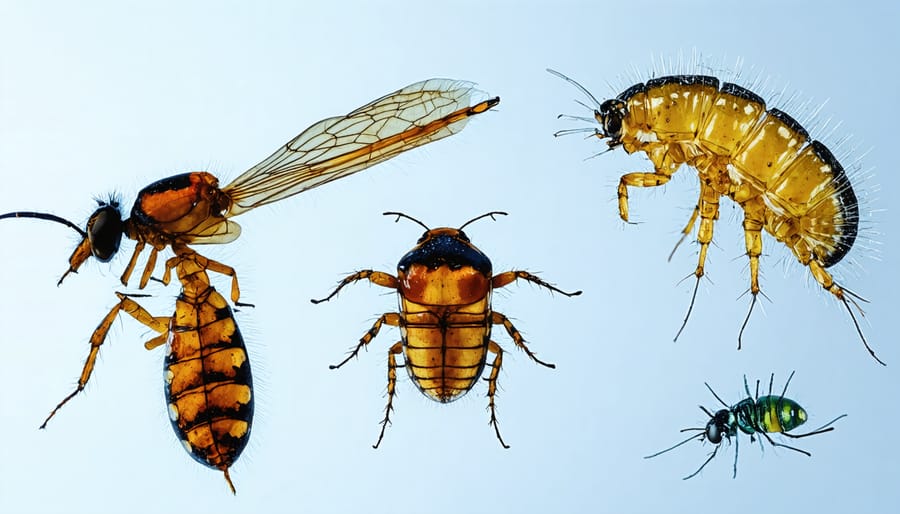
[127,305]
[375,277]
[500,319]
[391,318]
[637,179]
[509,277]
[709,213]
[396,349]
[492,386]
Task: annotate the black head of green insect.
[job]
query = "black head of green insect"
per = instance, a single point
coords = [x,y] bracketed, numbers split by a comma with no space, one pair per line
[446,246]
[100,237]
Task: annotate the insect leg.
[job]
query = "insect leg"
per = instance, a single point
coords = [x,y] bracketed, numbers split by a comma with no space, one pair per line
[636,179]
[709,213]
[397,348]
[376,277]
[126,275]
[509,277]
[753,225]
[492,386]
[827,282]
[184,255]
[148,269]
[712,455]
[391,318]
[686,230]
[500,319]
[127,305]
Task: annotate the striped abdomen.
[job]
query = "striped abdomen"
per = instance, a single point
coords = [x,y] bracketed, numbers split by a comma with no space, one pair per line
[446,327]
[208,385]
[769,414]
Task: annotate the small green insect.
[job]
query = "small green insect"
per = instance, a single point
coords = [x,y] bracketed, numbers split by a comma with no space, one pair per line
[753,415]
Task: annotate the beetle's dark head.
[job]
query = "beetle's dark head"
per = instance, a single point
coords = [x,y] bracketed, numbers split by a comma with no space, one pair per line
[445,246]
[100,237]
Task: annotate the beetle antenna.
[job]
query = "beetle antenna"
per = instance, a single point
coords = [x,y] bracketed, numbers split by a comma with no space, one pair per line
[401,215]
[489,214]
[44,216]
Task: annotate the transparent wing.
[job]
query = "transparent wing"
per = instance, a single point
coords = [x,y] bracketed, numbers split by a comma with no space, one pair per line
[337,147]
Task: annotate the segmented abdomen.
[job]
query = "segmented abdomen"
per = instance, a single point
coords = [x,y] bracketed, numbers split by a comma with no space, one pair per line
[769,414]
[763,159]
[445,346]
[208,385]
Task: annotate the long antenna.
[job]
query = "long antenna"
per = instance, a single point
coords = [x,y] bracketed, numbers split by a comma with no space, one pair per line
[485,215]
[44,216]
[401,215]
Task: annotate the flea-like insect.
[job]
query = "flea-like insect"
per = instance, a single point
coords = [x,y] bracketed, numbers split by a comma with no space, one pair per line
[786,183]
[754,415]
[444,285]
[191,208]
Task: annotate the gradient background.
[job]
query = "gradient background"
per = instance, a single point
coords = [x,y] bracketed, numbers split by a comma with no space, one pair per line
[103,97]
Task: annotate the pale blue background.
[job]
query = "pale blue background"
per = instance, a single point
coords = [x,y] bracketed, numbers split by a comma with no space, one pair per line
[112,96]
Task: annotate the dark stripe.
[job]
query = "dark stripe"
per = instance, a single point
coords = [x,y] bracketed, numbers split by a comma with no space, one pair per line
[742,92]
[849,205]
[789,121]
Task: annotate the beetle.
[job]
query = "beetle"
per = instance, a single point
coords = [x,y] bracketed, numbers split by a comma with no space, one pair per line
[444,287]
[786,183]
[762,415]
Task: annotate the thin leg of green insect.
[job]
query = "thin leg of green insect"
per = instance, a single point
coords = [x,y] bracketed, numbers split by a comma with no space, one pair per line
[712,455]
[391,318]
[753,225]
[709,213]
[509,277]
[637,179]
[126,304]
[492,386]
[396,349]
[375,277]
[737,441]
[500,319]
[685,231]
[717,398]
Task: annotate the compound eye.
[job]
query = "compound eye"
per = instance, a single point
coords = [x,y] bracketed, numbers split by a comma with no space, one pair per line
[104,229]
[713,434]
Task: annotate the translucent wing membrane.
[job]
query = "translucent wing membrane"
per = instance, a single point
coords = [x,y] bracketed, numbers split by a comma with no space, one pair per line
[336,147]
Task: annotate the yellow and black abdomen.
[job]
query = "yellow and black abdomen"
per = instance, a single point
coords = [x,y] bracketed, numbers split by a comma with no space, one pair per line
[445,347]
[208,384]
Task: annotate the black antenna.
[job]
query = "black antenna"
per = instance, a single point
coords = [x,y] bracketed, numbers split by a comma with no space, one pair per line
[44,216]
[485,215]
[401,215]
